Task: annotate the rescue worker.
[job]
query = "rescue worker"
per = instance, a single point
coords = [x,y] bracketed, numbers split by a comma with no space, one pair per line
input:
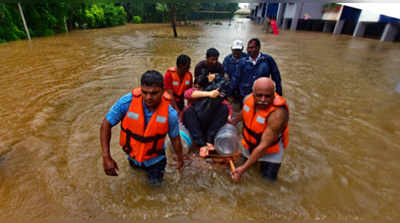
[146,117]
[231,61]
[177,80]
[231,65]
[210,65]
[265,118]
[254,66]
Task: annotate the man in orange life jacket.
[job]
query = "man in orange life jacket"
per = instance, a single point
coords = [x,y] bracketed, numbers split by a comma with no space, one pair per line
[177,80]
[265,118]
[146,117]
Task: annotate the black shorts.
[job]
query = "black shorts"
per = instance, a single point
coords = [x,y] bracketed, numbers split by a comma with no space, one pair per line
[155,173]
[269,170]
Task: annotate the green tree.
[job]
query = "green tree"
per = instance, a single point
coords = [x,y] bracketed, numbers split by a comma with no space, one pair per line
[163,8]
[187,8]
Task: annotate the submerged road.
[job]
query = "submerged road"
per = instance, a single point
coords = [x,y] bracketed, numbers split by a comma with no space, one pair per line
[342,163]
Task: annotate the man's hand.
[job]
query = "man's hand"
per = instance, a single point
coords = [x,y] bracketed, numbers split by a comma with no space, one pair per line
[177,145]
[213,93]
[237,173]
[230,121]
[179,164]
[236,119]
[110,166]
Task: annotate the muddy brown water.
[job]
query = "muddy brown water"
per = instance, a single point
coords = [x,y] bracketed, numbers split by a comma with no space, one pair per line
[342,164]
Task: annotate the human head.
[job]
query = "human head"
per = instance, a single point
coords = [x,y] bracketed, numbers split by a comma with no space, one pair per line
[253,47]
[237,48]
[201,82]
[212,55]
[152,87]
[182,64]
[211,77]
[263,92]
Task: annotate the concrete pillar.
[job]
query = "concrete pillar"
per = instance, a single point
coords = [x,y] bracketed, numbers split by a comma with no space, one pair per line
[260,16]
[360,29]
[255,13]
[258,13]
[295,20]
[264,19]
[325,29]
[285,23]
[338,27]
[390,32]
[279,15]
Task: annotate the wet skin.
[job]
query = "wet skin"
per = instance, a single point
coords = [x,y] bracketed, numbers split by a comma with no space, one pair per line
[253,50]
[152,96]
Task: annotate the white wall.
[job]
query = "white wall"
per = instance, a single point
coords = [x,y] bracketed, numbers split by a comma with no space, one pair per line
[331,16]
[252,5]
[368,16]
[312,9]
[290,10]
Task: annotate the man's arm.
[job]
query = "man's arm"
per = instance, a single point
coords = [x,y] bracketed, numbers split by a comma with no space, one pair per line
[225,62]
[221,69]
[113,117]
[275,75]
[277,121]
[235,78]
[173,102]
[197,70]
[203,94]
[236,119]
[239,117]
[176,143]
[174,135]
[109,165]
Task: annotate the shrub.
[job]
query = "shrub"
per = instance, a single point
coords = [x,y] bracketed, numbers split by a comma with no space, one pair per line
[114,15]
[95,16]
[137,19]
[10,29]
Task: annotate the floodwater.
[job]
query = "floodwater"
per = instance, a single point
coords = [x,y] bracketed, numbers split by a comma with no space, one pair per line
[342,163]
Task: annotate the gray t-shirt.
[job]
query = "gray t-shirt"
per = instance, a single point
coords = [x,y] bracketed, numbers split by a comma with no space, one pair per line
[272,158]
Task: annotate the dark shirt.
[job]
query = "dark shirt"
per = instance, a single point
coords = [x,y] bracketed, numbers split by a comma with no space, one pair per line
[202,65]
[248,73]
[231,65]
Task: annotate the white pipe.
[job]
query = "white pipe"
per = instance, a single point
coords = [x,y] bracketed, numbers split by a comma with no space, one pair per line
[23,20]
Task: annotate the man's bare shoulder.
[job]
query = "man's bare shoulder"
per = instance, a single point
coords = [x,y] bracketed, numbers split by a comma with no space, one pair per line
[278,118]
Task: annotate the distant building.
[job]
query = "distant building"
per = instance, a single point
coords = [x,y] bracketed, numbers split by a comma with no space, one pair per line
[378,21]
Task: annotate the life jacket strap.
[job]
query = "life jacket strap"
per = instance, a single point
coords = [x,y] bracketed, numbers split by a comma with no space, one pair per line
[257,136]
[179,97]
[154,139]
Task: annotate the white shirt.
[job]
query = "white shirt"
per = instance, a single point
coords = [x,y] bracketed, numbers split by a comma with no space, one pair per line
[255,61]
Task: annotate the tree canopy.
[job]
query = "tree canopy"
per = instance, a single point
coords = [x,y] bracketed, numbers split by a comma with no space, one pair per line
[48,17]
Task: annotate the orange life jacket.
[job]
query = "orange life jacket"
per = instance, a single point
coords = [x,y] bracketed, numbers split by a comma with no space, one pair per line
[140,142]
[255,122]
[179,86]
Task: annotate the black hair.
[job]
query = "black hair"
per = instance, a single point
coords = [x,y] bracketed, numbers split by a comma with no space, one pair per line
[212,52]
[152,78]
[201,80]
[182,60]
[257,41]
